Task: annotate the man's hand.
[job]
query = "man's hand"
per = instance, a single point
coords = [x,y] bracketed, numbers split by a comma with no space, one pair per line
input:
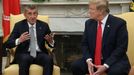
[100,69]
[90,67]
[49,37]
[24,36]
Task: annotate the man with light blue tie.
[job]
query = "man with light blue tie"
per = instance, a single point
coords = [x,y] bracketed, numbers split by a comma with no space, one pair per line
[29,36]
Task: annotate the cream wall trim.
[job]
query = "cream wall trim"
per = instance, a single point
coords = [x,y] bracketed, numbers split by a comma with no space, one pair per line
[75,9]
[1,33]
[26,2]
[16,18]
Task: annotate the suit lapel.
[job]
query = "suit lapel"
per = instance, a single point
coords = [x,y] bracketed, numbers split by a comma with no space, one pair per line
[25,26]
[93,33]
[38,30]
[106,30]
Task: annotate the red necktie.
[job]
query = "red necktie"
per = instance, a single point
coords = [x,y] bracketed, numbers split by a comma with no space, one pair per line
[97,58]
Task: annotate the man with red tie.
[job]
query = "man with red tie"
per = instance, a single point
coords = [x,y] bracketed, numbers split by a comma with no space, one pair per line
[104,43]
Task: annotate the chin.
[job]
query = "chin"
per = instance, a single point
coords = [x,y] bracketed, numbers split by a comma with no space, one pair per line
[32,23]
[91,17]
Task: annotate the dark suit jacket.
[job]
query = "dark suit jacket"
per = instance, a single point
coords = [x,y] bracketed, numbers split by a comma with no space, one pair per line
[114,42]
[42,29]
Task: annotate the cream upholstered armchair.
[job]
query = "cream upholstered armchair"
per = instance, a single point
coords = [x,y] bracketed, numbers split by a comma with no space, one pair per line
[13,69]
[129,17]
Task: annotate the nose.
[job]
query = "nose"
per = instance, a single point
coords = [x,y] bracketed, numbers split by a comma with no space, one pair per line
[32,16]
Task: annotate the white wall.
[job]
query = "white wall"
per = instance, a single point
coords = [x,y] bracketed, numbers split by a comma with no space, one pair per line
[59,10]
[70,16]
[79,8]
[1,19]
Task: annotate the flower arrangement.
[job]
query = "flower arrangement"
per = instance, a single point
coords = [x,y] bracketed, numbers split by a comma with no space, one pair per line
[131,7]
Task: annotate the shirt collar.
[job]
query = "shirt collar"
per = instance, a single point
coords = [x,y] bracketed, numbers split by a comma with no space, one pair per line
[29,25]
[105,19]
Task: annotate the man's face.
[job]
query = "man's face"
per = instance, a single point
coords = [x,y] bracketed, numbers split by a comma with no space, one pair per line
[93,12]
[31,15]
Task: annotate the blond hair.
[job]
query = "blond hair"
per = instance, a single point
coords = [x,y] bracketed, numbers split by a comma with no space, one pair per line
[102,5]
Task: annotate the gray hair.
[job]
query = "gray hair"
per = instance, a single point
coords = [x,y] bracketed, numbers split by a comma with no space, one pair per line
[32,7]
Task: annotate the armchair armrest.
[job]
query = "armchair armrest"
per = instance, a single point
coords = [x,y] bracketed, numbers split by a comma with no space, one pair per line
[131,71]
[10,56]
[11,53]
[50,49]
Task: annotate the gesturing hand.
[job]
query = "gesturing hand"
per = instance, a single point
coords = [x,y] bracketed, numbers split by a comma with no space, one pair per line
[49,37]
[24,36]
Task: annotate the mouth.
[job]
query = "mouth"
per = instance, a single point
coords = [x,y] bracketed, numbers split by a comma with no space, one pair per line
[33,20]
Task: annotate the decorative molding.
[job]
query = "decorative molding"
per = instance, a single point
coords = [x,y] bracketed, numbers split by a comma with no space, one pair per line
[74,8]
[69,3]
[77,11]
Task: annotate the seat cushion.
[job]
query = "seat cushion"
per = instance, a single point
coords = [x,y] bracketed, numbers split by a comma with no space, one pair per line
[131,71]
[11,70]
[34,70]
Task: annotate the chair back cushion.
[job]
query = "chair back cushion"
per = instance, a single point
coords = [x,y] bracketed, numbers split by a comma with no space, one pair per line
[129,17]
[17,18]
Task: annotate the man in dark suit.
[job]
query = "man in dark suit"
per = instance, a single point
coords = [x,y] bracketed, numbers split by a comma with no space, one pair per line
[29,36]
[104,43]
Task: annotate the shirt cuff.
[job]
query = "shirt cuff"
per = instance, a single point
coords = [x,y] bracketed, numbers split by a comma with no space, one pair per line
[52,44]
[89,59]
[17,42]
[107,66]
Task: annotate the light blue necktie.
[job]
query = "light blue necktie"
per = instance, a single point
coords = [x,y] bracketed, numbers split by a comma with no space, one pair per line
[32,42]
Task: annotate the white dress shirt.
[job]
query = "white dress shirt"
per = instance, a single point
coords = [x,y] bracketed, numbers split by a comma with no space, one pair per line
[37,47]
[103,26]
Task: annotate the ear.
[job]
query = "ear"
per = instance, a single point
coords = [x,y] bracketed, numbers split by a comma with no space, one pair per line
[24,14]
[101,12]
